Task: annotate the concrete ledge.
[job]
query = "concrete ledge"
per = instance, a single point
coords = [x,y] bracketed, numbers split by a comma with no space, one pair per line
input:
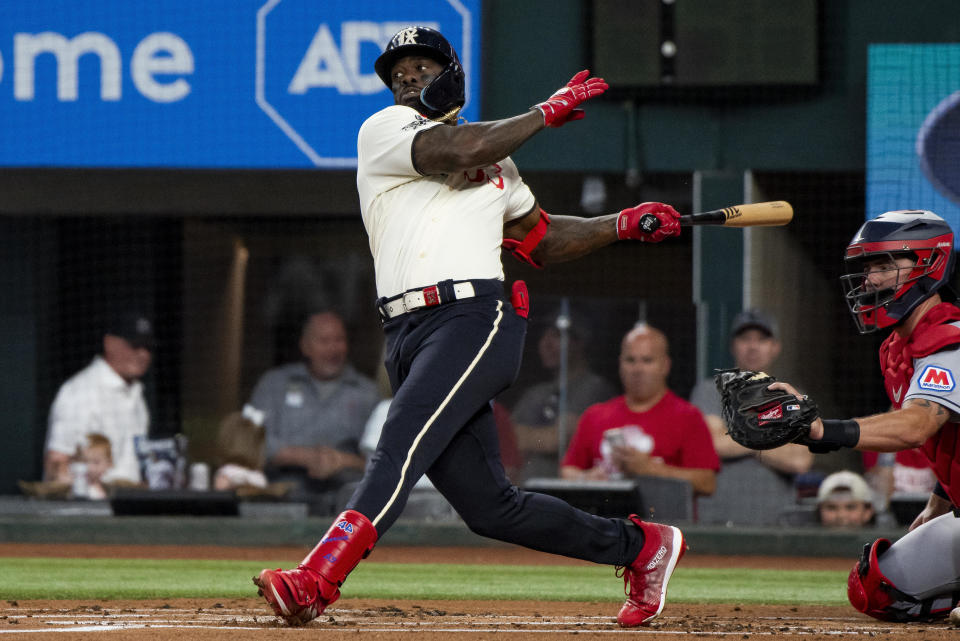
[285,531]
[778,541]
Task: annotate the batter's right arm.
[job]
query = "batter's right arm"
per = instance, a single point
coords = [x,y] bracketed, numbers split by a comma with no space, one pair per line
[448,150]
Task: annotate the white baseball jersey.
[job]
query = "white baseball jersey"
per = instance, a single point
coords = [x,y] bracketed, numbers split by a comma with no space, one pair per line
[425,229]
[934,379]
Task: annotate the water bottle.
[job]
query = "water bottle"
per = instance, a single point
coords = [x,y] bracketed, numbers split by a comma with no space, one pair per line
[79,472]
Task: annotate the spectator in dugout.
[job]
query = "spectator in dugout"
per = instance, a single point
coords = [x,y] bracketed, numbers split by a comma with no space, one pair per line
[904,474]
[649,430]
[753,487]
[97,458]
[240,451]
[106,397]
[313,413]
[537,413]
[844,500]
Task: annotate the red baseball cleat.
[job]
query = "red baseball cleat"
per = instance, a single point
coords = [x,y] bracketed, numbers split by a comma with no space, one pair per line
[301,595]
[297,596]
[645,580]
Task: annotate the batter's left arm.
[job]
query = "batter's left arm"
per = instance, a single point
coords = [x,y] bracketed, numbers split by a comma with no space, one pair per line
[570,237]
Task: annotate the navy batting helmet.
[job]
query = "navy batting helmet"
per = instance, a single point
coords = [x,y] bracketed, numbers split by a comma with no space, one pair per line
[447,91]
[919,234]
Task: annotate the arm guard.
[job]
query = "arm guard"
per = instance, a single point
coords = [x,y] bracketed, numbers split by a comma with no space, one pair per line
[522,249]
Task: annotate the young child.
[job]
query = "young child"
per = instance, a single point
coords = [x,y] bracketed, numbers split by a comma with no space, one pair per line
[98,458]
[240,442]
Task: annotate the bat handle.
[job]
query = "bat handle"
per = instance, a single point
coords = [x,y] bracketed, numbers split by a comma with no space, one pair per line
[649,223]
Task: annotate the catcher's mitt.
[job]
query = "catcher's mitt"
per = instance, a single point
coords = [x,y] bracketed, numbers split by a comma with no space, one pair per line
[759,418]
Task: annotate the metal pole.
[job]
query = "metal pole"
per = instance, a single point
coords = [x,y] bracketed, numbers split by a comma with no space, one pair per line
[563,326]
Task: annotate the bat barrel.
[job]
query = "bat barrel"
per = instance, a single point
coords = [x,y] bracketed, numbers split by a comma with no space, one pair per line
[768,214]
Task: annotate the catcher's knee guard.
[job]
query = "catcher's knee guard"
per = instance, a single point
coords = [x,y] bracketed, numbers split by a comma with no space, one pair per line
[875,595]
[867,588]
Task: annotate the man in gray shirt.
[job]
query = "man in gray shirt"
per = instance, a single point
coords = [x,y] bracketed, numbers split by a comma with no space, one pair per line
[314,413]
[753,488]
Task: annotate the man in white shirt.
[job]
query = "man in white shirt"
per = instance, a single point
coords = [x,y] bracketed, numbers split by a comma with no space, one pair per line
[106,397]
[438,201]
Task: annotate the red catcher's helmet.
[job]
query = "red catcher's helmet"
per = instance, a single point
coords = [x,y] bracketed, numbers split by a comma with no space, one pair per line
[919,234]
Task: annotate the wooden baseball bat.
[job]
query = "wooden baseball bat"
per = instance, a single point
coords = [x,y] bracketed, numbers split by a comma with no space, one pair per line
[768,214]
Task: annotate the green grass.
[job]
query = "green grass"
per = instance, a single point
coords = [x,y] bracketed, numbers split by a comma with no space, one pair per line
[45,578]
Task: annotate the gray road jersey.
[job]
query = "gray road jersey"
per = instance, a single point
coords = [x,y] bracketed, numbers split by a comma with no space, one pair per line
[935,379]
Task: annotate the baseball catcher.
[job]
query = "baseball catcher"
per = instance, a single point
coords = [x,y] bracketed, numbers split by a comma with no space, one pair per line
[899,269]
[759,417]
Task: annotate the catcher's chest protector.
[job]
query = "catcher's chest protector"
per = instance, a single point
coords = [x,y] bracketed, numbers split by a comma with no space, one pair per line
[932,334]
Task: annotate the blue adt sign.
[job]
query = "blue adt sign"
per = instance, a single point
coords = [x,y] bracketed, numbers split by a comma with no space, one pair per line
[215,84]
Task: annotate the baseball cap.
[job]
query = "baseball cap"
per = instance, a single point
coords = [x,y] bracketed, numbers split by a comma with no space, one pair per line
[847,482]
[133,326]
[753,319]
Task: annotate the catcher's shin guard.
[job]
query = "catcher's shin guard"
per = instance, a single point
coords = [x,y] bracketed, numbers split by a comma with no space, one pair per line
[875,595]
[645,580]
[302,594]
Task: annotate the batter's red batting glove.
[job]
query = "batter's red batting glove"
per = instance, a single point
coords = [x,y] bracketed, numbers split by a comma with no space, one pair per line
[560,108]
[666,223]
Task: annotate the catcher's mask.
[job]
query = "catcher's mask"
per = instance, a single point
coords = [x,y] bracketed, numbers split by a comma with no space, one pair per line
[445,95]
[918,234]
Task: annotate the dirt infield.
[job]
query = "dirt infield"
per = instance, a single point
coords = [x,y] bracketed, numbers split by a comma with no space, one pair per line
[249,619]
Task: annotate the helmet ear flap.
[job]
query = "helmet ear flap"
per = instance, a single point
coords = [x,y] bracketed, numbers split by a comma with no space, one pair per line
[447,91]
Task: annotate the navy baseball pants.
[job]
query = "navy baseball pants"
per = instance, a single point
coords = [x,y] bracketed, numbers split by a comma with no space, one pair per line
[445,364]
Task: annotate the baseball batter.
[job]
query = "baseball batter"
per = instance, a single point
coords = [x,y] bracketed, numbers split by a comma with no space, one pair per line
[901,263]
[438,200]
